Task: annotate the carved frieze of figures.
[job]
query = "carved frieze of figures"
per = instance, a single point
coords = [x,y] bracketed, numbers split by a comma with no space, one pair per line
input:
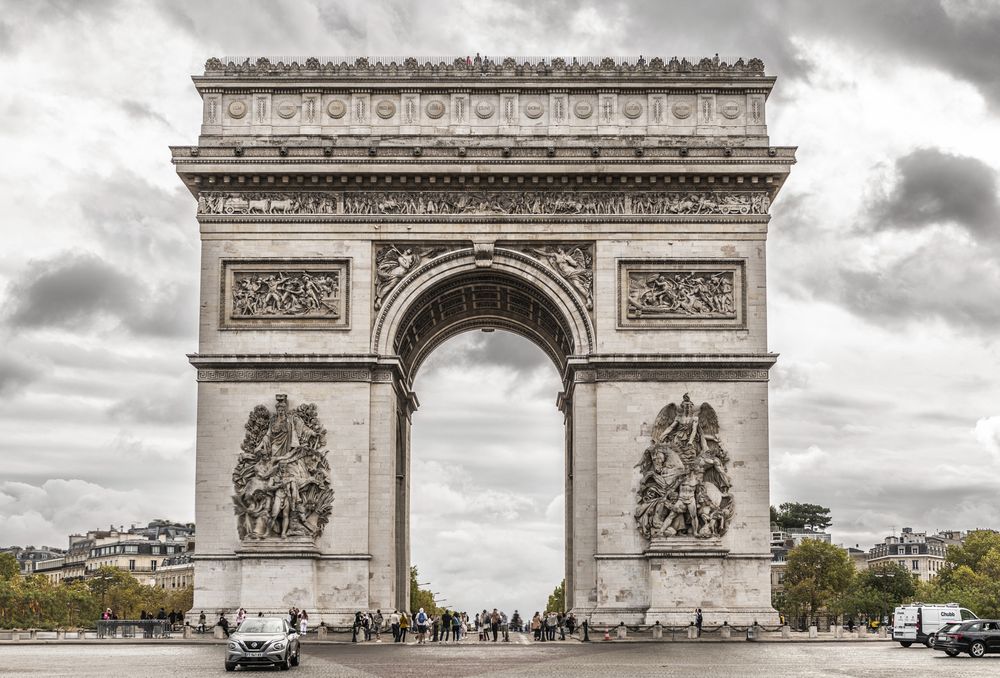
[282,477]
[573,263]
[674,293]
[260,203]
[444,203]
[681,294]
[393,263]
[285,293]
[282,294]
[657,203]
[685,489]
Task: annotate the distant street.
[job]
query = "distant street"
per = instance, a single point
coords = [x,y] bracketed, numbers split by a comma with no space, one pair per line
[519,658]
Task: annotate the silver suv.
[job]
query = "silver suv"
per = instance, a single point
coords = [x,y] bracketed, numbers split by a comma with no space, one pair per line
[263,641]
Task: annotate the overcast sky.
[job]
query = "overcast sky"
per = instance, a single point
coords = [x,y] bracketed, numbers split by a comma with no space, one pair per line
[884,283]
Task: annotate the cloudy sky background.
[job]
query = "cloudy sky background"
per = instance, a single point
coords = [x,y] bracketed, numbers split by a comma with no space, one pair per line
[883,266]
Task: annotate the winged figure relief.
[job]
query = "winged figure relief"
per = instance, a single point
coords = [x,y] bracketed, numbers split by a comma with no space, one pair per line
[685,486]
[392,264]
[574,263]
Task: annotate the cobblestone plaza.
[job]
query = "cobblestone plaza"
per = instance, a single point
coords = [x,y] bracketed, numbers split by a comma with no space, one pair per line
[571,659]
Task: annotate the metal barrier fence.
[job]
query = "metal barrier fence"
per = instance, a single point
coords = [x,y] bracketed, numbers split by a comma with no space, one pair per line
[133,628]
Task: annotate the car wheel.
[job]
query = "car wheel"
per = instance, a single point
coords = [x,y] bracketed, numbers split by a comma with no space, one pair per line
[295,658]
[951,653]
[230,667]
[905,643]
[929,642]
[978,649]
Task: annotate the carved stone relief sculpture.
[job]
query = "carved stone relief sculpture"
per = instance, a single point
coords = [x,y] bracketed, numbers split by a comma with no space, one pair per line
[695,294]
[282,477]
[681,293]
[573,263]
[685,488]
[393,263]
[283,294]
[302,202]
[623,203]
[558,202]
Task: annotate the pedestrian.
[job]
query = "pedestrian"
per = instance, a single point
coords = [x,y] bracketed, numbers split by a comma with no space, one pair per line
[456,626]
[494,624]
[561,621]
[571,623]
[505,627]
[435,627]
[378,625]
[445,626]
[421,620]
[356,626]
[241,614]
[698,619]
[223,623]
[551,621]
[536,627]
[201,621]
[172,618]
[394,624]
[404,626]
[303,622]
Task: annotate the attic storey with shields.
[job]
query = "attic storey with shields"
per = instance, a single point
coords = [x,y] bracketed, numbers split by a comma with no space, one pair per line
[355,213]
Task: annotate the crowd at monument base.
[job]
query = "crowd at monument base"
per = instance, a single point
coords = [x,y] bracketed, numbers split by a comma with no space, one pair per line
[355,216]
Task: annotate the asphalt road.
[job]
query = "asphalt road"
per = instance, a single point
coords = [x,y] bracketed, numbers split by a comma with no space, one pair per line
[520,658]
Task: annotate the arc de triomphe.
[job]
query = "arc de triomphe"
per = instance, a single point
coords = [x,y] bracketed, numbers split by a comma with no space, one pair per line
[356,213]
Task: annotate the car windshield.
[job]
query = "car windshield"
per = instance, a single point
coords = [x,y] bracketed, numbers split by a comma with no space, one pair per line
[262,626]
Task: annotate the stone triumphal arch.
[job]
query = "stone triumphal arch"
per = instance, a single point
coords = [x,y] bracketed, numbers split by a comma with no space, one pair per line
[355,213]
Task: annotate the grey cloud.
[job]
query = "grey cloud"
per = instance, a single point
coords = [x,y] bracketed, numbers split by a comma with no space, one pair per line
[15,373]
[938,281]
[161,403]
[81,290]
[139,110]
[936,187]
[7,46]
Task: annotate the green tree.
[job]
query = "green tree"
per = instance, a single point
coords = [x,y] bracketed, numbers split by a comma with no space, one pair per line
[557,600]
[876,592]
[817,577]
[421,598]
[8,566]
[796,515]
[970,577]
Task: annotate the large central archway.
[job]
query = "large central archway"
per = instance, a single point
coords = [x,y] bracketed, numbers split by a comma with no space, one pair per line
[502,289]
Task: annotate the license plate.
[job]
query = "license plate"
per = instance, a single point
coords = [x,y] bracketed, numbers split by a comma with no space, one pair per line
[255,654]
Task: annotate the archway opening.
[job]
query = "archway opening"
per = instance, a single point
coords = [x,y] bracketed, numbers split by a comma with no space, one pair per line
[487,476]
[488,437]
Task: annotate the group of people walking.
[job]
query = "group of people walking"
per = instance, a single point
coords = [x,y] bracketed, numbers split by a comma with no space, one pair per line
[545,626]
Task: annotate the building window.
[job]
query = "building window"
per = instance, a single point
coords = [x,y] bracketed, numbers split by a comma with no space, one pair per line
[131,564]
[152,565]
[916,564]
[902,563]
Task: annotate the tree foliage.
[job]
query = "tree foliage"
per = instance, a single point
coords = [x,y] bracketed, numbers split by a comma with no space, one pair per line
[970,576]
[876,592]
[817,576]
[34,602]
[557,600]
[797,515]
[421,598]
[8,566]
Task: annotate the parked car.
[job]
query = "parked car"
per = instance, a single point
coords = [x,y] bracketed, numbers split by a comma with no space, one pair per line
[917,623]
[975,637]
[263,641]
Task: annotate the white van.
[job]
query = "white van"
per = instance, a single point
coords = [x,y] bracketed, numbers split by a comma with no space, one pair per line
[917,623]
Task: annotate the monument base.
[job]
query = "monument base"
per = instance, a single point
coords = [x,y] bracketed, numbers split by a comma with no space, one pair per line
[272,577]
[686,574]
